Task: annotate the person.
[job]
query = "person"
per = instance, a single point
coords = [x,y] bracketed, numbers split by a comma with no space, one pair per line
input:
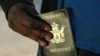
[84,17]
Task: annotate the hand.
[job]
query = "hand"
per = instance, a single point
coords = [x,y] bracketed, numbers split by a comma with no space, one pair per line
[22,19]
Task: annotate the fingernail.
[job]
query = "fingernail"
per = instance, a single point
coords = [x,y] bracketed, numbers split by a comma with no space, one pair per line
[43,44]
[47,28]
[48,38]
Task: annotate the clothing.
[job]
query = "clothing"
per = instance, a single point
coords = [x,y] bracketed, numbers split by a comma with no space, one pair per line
[6,4]
[84,17]
[86,53]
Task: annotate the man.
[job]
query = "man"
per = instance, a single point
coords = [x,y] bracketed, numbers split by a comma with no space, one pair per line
[84,17]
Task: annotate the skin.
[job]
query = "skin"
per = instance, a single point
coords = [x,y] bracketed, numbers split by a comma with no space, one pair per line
[22,19]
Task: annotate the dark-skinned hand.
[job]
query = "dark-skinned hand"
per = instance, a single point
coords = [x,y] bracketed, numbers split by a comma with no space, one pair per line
[22,19]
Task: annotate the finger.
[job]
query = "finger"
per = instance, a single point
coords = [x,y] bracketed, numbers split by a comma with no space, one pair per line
[42,42]
[46,35]
[41,34]
[43,25]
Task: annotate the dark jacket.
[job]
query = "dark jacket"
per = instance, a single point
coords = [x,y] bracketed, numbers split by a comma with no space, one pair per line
[6,4]
[47,4]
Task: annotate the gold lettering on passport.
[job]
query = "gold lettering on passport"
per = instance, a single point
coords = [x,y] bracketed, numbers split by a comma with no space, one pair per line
[60,49]
[51,16]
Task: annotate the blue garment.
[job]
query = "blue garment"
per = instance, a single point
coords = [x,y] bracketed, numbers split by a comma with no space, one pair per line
[85,21]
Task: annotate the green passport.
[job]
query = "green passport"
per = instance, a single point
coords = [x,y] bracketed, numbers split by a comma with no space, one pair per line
[62,43]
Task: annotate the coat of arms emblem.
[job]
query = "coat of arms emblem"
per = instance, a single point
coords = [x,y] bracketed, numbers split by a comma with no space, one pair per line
[58,33]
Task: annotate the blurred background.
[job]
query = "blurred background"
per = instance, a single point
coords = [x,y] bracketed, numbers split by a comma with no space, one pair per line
[14,44]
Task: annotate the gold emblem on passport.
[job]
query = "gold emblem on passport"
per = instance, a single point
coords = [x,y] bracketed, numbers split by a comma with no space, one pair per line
[58,33]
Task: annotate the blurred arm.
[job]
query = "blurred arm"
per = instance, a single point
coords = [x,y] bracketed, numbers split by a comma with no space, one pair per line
[6,4]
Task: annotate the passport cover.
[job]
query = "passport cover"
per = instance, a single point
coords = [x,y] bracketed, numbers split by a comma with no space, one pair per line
[62,43]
